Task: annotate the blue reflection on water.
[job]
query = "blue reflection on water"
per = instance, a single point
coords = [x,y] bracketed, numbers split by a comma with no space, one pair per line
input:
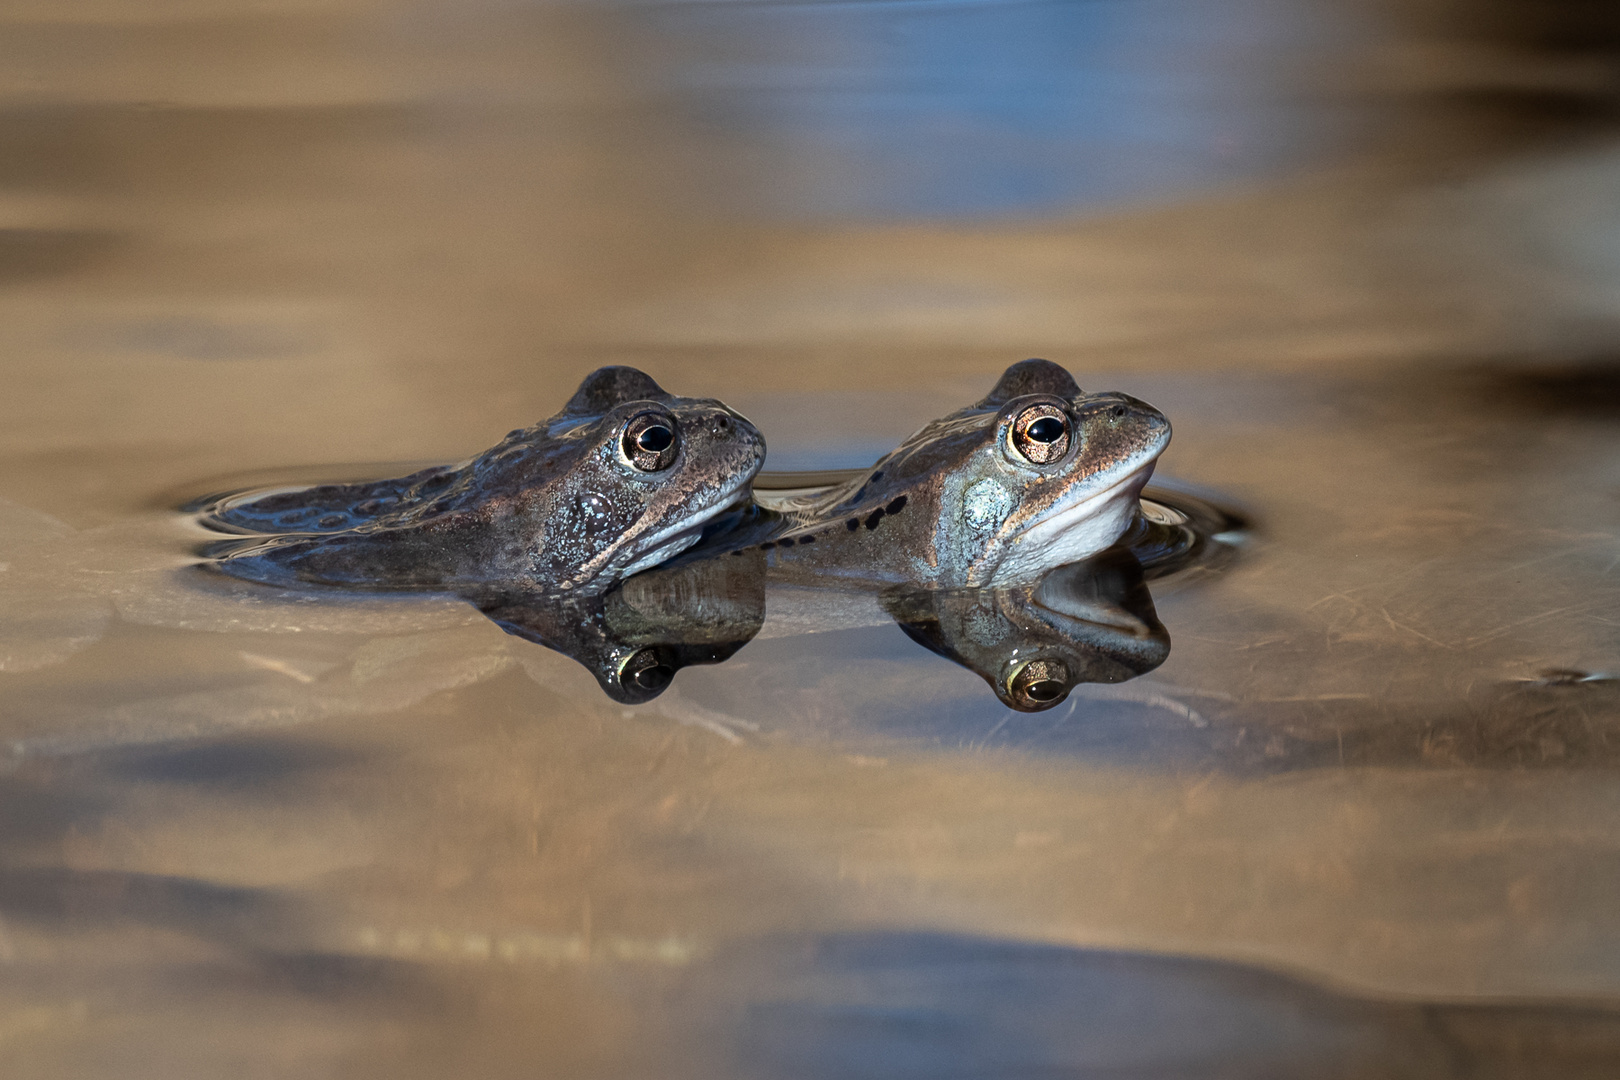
[938,1006]
[932,108]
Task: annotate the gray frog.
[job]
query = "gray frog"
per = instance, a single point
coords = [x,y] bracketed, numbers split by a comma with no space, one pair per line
[1035,475]
[625,476]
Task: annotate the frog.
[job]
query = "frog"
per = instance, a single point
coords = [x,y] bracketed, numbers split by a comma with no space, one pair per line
[1034,475]
[624,477]
[1087,622]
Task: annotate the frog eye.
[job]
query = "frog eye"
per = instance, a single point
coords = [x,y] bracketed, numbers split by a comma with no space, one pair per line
[647,671]
[1038,684]
[649,442]
[1040,434]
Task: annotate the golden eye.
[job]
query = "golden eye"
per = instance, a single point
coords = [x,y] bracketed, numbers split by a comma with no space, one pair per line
[647,671]
[649,442]
[1038,684]
[1040,434]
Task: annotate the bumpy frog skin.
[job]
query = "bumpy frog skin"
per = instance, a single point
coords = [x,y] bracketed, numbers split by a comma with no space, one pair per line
[623,478]
[1034,476]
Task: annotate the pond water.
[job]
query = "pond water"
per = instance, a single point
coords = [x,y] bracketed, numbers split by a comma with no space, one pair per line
[1362,820]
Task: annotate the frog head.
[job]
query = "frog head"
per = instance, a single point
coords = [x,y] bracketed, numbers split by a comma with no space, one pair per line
[648,471]
[1035,475]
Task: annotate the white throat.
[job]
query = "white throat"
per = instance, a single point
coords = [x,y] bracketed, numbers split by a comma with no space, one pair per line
[1076,532]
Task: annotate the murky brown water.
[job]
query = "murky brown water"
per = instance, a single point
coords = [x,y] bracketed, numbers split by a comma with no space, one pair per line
[1364,821]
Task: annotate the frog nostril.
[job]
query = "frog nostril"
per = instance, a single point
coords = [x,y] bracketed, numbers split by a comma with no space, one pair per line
[1118,412]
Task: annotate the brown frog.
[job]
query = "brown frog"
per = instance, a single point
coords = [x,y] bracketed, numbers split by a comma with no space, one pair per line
[625,476]
[1035,475]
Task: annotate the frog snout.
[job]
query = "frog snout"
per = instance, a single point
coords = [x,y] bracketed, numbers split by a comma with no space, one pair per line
[1122,408]
[727,427]
[721,425]
[1153,421]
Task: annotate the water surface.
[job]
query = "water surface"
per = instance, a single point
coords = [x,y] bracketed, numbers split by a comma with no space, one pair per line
[1363,818]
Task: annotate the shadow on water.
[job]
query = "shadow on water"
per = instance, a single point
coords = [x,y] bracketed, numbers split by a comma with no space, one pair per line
[240,766]
[26,254]
[925,1005]
[91,898]
[165,148]
[1587,390]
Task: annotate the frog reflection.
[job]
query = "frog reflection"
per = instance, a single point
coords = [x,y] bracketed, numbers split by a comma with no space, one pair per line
[1091,621]
[636,636]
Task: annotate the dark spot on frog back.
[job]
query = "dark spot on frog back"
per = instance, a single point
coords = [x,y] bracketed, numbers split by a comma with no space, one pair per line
[897,504]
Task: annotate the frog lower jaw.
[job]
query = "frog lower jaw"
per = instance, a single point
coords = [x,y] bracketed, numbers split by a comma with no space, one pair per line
[1073,533]
[669,543]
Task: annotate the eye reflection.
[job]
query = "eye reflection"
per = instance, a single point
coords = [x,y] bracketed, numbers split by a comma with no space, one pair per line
[648,669]
[1039,684]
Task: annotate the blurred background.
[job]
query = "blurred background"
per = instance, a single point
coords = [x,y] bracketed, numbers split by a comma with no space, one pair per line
[224,221]
[1365,820]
